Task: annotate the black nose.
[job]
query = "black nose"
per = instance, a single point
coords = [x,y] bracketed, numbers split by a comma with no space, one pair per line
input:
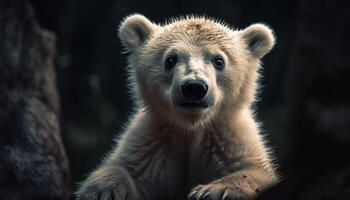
[194,89]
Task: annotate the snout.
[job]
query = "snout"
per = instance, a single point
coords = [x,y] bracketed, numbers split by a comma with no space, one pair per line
[194,89]
[194,95]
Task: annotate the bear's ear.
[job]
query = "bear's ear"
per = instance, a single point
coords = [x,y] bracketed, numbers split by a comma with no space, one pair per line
[259,39]
[135,30]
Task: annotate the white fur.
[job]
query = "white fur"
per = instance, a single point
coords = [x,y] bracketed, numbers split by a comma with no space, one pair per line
[168,152]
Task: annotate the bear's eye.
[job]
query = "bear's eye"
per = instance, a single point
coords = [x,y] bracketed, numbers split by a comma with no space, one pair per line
[170,62]
[218,63]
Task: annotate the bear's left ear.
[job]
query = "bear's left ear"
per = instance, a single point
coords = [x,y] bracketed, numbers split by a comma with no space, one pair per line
[135,30]
[259,39]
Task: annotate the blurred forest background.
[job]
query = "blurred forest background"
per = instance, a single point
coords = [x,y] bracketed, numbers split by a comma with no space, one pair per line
[305,99]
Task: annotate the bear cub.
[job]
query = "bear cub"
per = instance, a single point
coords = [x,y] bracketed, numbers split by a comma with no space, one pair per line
[193,134]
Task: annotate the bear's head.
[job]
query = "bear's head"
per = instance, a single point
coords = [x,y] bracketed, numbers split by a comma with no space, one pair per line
[192,69]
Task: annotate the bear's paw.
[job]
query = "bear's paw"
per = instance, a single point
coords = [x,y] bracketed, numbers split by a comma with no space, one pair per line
[219,191]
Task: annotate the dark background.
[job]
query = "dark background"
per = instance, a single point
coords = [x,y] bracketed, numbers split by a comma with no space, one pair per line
[304,103]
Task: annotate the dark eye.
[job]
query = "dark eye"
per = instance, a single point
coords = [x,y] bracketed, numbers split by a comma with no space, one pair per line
[170,62]
[218,63]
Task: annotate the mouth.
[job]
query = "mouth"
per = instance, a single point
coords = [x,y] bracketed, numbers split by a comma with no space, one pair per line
[194,105]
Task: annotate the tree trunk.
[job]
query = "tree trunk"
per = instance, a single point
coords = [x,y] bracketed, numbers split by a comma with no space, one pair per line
[33,164]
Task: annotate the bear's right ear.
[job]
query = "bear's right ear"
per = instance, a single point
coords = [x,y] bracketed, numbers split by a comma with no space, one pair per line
[135,30]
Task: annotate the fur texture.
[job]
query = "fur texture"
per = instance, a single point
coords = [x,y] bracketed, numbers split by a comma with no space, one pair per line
[172,152]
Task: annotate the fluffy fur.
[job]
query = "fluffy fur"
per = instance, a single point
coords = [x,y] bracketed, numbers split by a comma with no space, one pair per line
[169,152]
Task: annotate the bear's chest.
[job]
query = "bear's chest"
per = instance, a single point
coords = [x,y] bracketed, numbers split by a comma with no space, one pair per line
[209,158]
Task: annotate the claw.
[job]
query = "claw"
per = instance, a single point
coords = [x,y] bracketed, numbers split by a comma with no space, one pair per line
[225,195]
[205,195]
[200,196]
[192,195]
